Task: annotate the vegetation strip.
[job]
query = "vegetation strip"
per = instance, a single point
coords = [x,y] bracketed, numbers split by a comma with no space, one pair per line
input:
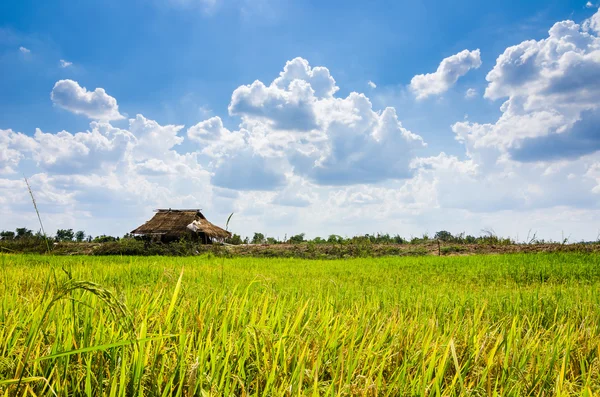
[522,324]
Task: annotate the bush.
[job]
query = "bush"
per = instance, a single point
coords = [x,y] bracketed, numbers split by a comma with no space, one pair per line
[7,235]
[299,238]
[335,239]
[104,239]
[29,245]
[235,239]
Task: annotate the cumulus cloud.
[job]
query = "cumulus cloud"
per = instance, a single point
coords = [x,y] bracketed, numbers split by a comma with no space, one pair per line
[446,75]
[247,171]
[316,159]
[98,150]
[24,50]
[593,23]
[371,84]
[543,151]
[552,91]
[319,78]
[579,139]
[65,64]
[368,147]
[153,139]
[13,147]
[471,93]
[216,140]
[287,108]
[330,140]
[97,104]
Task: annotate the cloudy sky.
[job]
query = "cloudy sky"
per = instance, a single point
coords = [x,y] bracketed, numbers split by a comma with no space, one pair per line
[345,117]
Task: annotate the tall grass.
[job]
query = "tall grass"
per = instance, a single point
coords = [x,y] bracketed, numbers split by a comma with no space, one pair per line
[479,325]
[37,213]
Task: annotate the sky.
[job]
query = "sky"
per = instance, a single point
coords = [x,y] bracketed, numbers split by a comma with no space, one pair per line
[338,117]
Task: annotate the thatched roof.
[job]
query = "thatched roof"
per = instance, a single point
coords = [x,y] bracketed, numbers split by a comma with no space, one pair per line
[175,223]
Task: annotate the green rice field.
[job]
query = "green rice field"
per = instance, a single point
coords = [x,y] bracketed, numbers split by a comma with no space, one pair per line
[505,325]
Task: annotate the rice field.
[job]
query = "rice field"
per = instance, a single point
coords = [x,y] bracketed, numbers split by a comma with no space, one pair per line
[509,325]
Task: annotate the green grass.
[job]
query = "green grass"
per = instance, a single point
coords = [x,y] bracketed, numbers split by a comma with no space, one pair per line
[477,325]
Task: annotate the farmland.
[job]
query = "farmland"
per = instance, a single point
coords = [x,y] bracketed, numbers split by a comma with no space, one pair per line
[518,324]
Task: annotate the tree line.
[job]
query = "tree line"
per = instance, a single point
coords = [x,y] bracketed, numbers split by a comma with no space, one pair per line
[61,235]
[70,235]
[488,237]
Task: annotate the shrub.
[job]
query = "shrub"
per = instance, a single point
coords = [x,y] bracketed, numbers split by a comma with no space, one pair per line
[235,239]
[299,238]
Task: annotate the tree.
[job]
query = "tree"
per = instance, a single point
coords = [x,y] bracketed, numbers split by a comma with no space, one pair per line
[258,238]
[443,235]
[104,239]
[80,236]
[23,232]
[65,235]
[236,239]
[298,238]
[398,239]
[7,235]
[335,239]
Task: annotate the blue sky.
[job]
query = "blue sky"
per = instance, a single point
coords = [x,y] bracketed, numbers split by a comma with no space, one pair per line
[290,156]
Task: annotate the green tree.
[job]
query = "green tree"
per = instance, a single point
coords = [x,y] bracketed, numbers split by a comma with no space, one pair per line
[7,235]
[335,239]
[258,238]
[80,236]
[298,238]
[65,235]
[236,239]
[104,239]
[23,232]
[443,235]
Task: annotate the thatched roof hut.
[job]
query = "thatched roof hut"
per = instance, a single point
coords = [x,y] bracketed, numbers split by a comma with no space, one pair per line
[169,224]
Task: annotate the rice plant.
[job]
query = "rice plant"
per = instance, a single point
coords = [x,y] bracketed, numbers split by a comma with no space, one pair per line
[479,325]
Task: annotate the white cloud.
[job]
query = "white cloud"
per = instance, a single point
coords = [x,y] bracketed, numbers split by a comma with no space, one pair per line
[65,64]
[153,139]
[552,88]
[543,150]
[589,4]
[97,150]
[593,23]
[299,157]
[371,84]
[471,93]
[329,140]
[13,148]
[97,104]
[24,50]
[446,75]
